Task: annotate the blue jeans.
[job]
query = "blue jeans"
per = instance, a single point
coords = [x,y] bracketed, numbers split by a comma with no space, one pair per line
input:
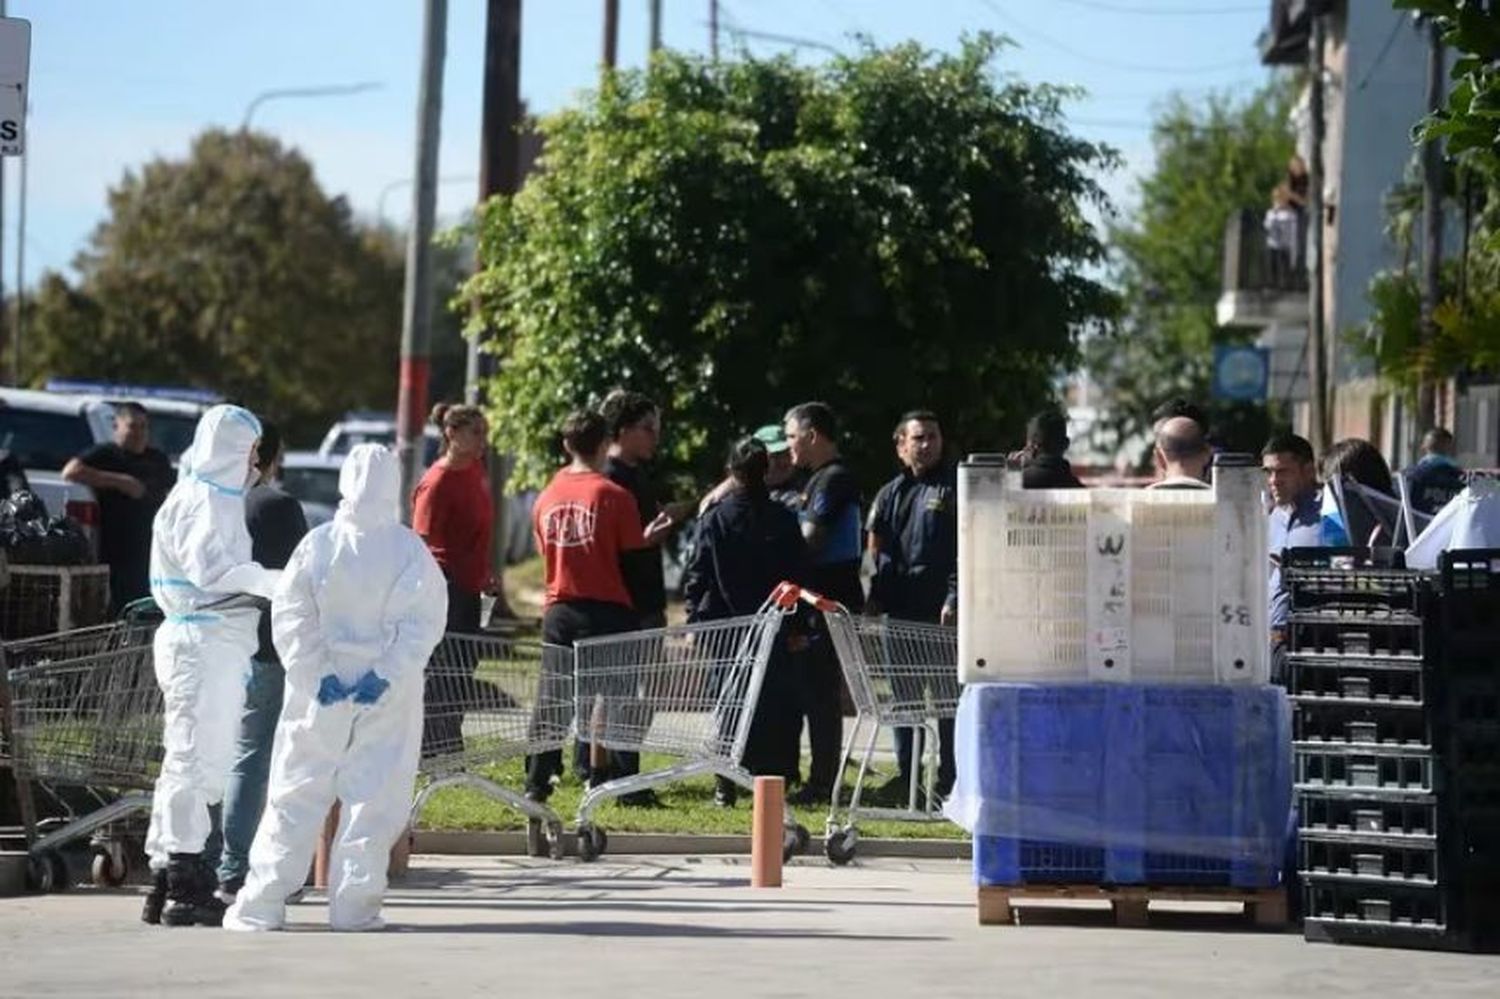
[245,797]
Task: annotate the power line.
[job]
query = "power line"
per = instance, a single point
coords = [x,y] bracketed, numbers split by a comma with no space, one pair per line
[1127,67]
[1385,49]
[1168,11]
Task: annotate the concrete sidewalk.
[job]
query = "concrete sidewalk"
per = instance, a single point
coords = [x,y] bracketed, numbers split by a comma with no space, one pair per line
[691,927]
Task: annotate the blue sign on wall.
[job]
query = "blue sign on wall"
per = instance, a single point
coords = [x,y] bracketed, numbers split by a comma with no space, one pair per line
[1241,374]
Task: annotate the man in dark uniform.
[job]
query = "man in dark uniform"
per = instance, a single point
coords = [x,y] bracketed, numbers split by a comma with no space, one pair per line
[832,528]
[634,423]
[1437,478]
[1045,466]
[913,536]
[130,478]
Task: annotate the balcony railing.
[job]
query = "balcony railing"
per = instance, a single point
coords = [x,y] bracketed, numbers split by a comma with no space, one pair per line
[1261,286]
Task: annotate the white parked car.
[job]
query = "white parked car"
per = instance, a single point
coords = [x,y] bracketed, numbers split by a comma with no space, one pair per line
[312,479]
[373,428]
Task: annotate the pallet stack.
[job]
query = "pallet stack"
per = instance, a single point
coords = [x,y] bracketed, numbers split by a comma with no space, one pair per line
[1395,680]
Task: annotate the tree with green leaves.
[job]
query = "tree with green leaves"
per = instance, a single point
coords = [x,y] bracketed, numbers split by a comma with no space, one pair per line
[229,270]
[1465,334]
[1470,121]
[1214,157]
[892,229]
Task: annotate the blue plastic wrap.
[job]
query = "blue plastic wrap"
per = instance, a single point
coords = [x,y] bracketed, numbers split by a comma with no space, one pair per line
[1124,783]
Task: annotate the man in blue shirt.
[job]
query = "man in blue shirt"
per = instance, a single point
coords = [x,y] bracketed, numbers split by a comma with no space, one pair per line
[832,528]
[1296,522]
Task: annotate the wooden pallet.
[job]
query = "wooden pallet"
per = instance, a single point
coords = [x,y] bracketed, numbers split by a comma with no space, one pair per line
[1266,906]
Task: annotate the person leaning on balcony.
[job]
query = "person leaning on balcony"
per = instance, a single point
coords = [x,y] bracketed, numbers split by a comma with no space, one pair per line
[1282,228]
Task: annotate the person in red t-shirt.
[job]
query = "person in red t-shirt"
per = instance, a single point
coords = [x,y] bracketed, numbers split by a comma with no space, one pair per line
[585,527]
[453,513]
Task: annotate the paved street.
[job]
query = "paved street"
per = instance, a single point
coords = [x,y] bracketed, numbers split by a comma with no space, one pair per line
[692,927]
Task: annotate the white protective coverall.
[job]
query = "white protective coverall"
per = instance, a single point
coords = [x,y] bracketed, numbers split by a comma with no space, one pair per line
[360,608]
[200,553]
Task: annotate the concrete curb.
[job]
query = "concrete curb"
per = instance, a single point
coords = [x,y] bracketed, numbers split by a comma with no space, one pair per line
[513,844]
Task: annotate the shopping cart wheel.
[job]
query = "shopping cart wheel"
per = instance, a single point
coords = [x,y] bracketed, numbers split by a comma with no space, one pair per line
[47,872]
[592,842]
[794,841]
[107,871]
[39,874]
[536,840]
[839,846]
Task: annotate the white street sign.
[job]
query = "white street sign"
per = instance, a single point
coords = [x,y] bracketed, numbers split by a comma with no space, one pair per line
[15,64]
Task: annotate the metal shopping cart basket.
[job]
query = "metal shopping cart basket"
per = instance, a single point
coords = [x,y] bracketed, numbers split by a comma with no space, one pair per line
[901,674]
[491,699]
[685,691]
[81,716]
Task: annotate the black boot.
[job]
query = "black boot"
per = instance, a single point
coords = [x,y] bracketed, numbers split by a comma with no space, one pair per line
[190,893]
[156,898]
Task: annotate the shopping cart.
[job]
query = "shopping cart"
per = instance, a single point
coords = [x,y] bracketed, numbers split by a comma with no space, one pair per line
[81,715]
[685,691]
[491,699]
[901,674]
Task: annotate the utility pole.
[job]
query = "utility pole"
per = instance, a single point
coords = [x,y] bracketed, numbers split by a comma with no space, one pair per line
[713,29]
[416,319]
[655,25]
[499,173]
[1432,228]
[611,31]
[15,373]
[20,327]
[1317,360]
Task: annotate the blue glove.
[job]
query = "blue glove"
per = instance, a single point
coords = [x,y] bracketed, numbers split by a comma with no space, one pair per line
[331,690]
[368,688]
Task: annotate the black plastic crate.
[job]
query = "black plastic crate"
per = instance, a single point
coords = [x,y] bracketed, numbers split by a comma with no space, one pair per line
[1360,591]
[1469,582]
[1390,816]
[1368,860]
[1471,701]
[1358,678]
[1373,768]
[1399,637]
[1373,902]
[1339,721]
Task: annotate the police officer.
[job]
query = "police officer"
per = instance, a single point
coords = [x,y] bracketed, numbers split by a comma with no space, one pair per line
[913,537]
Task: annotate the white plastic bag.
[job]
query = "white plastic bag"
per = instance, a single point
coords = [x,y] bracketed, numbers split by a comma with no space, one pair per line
[1471,520]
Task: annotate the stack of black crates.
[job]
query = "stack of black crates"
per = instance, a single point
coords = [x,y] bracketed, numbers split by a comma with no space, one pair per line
[1395,679]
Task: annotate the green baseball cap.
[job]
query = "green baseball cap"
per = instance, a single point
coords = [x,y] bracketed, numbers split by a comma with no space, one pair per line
[773,437]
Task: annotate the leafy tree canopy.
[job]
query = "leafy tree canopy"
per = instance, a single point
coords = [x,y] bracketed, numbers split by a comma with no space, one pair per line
[890,230]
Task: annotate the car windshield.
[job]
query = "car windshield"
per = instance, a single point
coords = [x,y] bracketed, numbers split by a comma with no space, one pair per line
[44,441]
[312,485]
[172,433]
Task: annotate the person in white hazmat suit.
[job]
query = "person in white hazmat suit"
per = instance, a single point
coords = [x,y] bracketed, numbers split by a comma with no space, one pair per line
[359,610]
[200,555]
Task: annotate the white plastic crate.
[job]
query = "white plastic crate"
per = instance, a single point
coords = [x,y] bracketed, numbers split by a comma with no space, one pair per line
[1164,586]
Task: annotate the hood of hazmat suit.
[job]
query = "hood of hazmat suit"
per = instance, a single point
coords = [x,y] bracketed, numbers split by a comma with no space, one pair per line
[358,612]
[200,553]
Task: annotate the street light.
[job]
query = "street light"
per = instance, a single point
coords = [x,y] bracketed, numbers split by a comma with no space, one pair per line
[406,181]
[334,90]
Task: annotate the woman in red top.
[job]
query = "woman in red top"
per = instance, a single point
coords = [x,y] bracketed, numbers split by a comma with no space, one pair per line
[585,526]
[453,512]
